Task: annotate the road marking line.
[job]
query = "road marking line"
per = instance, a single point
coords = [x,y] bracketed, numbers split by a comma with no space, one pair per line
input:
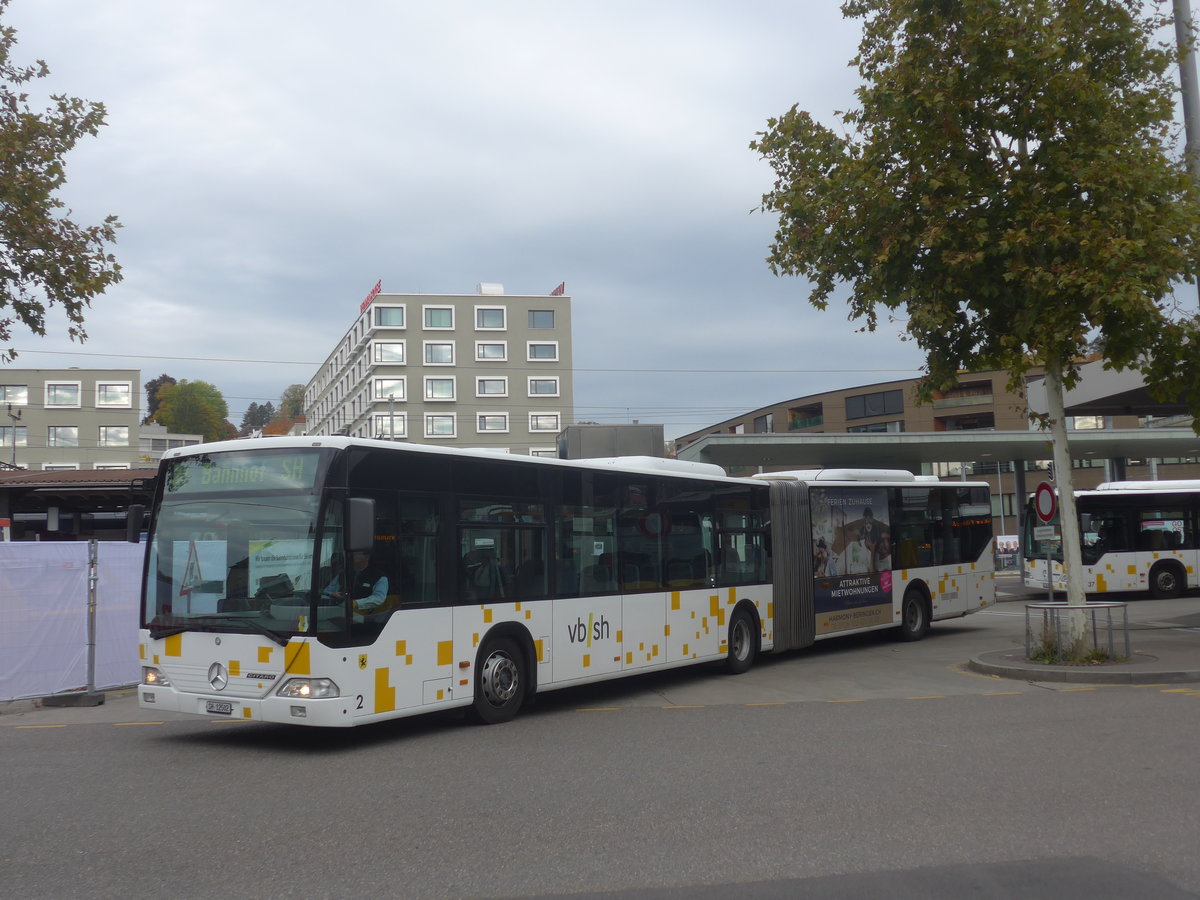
[40,726]
[697,706]
[598,709]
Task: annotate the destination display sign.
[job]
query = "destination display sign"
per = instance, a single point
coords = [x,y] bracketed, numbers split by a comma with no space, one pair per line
[220,472]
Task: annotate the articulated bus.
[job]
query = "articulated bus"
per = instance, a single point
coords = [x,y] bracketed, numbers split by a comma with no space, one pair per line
[339,581]
[1135,536]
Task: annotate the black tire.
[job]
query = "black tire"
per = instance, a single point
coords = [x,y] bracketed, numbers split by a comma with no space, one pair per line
[914,616]
[1165,582]
[743,642]
[499,681]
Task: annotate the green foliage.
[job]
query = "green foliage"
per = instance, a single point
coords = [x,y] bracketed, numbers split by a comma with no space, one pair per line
[256,416]
[152,388]
[194,407]
[1008,186]
[291,403]
[45,258]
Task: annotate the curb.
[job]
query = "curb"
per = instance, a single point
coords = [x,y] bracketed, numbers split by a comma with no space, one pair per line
[1010,664]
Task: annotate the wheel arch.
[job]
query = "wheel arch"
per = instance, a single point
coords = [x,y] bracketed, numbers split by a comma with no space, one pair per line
[519,633]
[1175,565]
[747,606]
[921,587]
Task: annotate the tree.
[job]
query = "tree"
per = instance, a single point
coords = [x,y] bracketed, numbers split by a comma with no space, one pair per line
[45,258]
[194,407]
[256,417]
[1008,186]
[152,388]
[291,403]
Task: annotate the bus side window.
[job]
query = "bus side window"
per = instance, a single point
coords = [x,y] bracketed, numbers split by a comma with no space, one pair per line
[418,574]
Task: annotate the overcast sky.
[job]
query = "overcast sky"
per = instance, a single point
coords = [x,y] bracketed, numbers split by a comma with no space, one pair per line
[270,161]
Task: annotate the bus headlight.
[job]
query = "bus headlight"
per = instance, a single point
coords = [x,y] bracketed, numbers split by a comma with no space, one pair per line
[309,689]
[153,676]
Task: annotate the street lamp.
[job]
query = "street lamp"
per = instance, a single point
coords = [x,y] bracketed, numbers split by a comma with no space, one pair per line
[16,417]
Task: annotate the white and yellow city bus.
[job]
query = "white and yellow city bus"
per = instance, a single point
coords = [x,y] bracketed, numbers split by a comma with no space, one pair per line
[1136,536]
[338,581]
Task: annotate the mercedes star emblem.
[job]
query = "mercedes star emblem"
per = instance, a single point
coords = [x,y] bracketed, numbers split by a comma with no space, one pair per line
[218,677]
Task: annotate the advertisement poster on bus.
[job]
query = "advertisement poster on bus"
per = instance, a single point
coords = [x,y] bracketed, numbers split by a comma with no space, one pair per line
[852,557]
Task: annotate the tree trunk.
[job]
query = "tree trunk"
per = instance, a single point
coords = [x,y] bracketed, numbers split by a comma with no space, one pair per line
[1072,556]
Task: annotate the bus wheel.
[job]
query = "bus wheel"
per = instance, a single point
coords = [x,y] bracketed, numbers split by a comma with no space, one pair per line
[914,620]
[1165,582]
[743,643]
[499,681]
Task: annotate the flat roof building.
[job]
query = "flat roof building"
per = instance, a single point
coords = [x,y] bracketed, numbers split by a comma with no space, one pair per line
[488,370]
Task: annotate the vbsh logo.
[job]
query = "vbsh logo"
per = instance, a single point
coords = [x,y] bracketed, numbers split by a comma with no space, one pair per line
[592,630]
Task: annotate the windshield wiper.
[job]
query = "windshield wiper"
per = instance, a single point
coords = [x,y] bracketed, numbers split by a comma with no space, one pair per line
[163,631]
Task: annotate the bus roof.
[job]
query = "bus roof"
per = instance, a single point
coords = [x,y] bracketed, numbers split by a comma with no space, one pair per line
[888,476]
[1155,487]
[649,465]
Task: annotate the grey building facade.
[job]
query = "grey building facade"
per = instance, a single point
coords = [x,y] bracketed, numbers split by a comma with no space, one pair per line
[67,419]
[487,370]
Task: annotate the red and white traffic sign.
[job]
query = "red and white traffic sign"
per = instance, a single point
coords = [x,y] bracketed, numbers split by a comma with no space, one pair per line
[1044,502]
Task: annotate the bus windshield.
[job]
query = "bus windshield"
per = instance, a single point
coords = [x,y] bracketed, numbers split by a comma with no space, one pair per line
[233,544]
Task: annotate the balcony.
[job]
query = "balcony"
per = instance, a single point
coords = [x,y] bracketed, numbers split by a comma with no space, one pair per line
[969,400]
[796,424]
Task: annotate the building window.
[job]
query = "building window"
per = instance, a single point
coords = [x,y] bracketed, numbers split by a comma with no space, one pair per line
[764,424]
[439,353]
[389,389]
[491,387]
[543,422]
[6,436]
[60,467]
[100,467]
[548,452]
[115,394]
[63,393]
[389,316]
[1086,423]
[16,394]
[541,318]
[543,387]
[439,318]
[439,426]
[490,318]
[62,436]
[494,351]
[114,435]
[492,422]
[387,427]
[542,351]
[389,352]
[439,388]
[881,403]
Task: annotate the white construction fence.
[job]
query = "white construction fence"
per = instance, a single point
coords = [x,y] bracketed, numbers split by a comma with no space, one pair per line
[45,592]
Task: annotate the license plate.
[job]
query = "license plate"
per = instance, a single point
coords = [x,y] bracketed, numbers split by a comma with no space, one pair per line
[219,707]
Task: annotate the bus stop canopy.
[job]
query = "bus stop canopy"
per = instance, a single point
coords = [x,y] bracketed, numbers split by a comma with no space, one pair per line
[910,449]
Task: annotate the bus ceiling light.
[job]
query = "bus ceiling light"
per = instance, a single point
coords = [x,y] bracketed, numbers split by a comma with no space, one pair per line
[310,689]
[153,676]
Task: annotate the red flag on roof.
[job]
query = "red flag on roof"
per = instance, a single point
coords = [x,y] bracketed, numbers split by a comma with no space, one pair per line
[559,291]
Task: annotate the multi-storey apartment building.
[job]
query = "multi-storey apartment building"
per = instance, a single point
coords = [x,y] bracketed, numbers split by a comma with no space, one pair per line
[69,418]
[486,370]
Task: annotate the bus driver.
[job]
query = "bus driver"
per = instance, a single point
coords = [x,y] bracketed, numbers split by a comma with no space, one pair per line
[367,586]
